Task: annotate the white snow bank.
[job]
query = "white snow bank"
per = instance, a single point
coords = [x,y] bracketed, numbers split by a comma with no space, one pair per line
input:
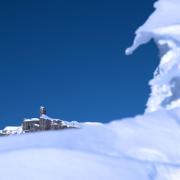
[12,130]
[164,27]
[146,147]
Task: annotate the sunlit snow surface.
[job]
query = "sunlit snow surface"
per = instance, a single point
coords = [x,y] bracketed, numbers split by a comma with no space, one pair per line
[143,148]
[146,147]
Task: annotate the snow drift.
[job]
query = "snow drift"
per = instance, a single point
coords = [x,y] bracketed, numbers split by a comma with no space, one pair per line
[146,147]
[142,148]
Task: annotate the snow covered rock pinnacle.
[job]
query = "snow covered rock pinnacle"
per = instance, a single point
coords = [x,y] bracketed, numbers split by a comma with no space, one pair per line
[163,26]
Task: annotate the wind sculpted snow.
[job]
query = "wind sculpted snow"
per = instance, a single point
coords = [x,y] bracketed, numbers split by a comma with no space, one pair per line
[163,26]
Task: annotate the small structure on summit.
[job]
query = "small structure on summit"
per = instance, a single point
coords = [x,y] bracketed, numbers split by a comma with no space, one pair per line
[42,110]
[43,123]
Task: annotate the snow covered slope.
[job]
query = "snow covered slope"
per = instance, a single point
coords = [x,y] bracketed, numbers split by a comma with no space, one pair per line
[146,147]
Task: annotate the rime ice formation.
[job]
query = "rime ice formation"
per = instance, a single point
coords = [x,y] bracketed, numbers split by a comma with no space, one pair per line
[163,26]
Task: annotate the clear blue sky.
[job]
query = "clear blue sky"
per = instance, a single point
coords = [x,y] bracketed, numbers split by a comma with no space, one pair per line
[69,56]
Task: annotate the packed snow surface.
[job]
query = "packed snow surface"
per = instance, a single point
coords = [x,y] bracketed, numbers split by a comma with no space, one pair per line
[142,148]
